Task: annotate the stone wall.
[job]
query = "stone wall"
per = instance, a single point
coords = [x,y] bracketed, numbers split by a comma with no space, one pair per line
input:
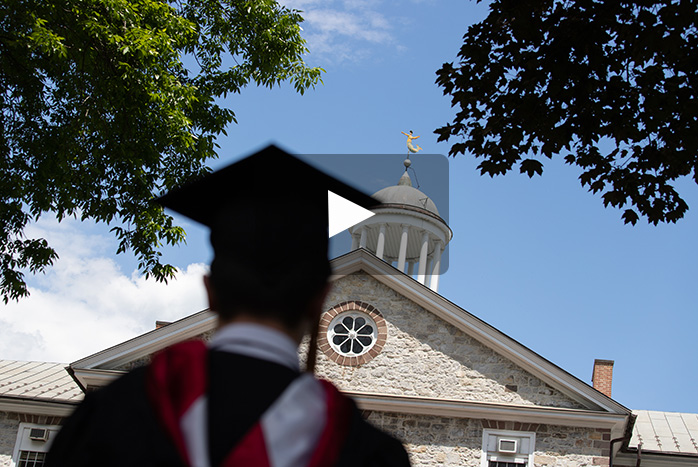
[438,441]
[9,425]
[425,356]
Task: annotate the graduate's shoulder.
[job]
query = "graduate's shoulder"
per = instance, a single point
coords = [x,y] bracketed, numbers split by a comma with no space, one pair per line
[369,446]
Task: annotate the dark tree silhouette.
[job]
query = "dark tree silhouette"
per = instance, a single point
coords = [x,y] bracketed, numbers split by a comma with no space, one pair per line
[608,85]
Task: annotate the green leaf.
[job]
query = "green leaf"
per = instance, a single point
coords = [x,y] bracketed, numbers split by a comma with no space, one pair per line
[109,115]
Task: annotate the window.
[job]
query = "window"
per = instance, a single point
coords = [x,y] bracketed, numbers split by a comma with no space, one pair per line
[507,448]
[31,459]
[352,333]
[33,442]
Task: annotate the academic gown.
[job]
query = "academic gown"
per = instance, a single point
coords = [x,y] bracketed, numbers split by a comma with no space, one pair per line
[118,425]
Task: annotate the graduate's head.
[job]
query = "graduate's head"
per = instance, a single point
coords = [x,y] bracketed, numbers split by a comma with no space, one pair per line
[268,215]
[270,266]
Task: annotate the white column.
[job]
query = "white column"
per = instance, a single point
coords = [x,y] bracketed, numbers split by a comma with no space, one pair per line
[421,275]
[403,249]
[430,263]
[434,284]
[380,247]
[354,241]
[364,235]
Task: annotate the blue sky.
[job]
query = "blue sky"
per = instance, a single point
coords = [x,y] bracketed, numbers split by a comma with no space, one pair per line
[542,260]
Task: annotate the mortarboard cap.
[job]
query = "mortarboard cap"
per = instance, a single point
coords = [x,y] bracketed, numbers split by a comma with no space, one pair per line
[268,215]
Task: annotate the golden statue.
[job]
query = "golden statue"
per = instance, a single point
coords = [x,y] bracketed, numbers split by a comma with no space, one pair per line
[411,148]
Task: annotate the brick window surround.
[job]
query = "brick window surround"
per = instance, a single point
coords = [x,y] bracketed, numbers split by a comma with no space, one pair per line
[357,306]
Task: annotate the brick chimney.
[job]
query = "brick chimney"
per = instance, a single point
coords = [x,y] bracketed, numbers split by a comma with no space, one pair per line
[603,376]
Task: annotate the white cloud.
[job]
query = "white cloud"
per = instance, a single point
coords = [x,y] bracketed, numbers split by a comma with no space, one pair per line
[85,303]
[361,26]
[345,30]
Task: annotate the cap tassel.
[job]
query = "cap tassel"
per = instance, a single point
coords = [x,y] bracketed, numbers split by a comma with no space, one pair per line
[311,357]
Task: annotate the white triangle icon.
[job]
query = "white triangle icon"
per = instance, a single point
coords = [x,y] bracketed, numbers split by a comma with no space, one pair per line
[343,213]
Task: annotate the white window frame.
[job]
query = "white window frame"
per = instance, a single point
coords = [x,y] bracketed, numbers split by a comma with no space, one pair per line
[488,455]
[354,314]
[24,443]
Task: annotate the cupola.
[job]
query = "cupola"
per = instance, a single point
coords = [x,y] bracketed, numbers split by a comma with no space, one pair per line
[406,231]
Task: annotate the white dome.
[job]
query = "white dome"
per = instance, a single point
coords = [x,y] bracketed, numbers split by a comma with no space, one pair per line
[406,195]
[406,228]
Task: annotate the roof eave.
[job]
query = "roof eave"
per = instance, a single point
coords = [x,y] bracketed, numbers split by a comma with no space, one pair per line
[88,378]
[37,407]
[655,459]
[152,341]
[489,411]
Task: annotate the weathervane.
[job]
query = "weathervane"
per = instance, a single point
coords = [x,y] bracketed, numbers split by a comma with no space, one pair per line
[410,147]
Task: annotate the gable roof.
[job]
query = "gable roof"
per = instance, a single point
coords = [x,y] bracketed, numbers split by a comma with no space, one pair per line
[99,367]
[522,356]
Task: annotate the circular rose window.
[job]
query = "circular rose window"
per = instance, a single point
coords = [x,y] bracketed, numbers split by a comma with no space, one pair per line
[352,333]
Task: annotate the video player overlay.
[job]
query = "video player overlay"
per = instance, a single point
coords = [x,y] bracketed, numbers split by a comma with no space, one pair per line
[410,229]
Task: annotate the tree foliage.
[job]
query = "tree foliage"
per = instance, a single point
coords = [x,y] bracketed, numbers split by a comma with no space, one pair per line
[608,85]
[99,114]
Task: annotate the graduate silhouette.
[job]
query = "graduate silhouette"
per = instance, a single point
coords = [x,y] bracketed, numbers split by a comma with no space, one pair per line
[241,399]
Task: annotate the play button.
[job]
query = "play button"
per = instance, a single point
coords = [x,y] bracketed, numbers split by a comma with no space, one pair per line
[343,214]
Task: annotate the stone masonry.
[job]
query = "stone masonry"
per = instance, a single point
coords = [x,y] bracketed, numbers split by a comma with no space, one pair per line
[425,356]
[438,441]
[9,425]
[422,355]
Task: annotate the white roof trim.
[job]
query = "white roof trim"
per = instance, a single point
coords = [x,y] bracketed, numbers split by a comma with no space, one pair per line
[487,335]
[150,342]
[23,405]
[95,377]
[489,411]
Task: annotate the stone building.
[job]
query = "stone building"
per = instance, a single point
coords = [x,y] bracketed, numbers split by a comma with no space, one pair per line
[457,391]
